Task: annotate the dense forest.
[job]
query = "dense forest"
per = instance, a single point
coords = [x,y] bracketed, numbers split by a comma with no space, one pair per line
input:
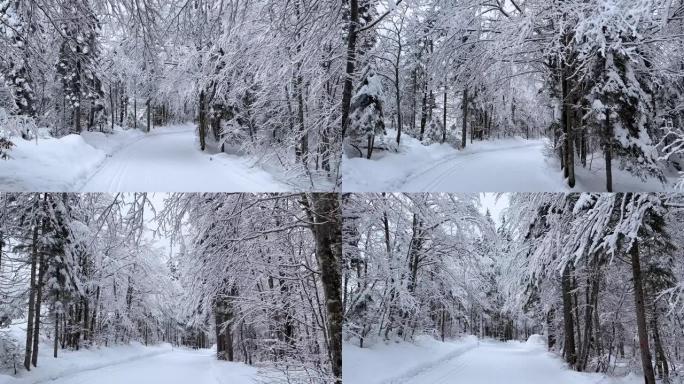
[262,77]
[255,275]
[601,79]
[601,276]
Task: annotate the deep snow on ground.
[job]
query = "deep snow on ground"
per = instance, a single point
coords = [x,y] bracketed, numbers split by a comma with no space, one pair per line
[486,362]
[504,165]
[137,365]
[166,159]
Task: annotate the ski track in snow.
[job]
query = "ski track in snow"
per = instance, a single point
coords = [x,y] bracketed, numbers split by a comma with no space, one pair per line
[171,161]
[496,362]
[507,167]
[173,367]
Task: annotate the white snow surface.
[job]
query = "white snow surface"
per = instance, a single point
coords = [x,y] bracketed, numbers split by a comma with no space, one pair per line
[166,159]
[390,363]
[467,361]
[503,165]
[134,364]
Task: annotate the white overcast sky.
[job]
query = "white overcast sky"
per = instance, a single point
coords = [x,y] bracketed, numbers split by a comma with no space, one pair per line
[494,204]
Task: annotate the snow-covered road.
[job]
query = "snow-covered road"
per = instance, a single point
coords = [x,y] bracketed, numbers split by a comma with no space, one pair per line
[497,165]
[519,167]
[169,160]
[510,363]
[175,367]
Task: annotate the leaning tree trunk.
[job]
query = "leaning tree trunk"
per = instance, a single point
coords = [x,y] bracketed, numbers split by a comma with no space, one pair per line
[646,361]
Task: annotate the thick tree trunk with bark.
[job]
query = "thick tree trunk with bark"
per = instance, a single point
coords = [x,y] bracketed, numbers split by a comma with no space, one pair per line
[351,63]
[569,350]
[303,149]
[324,212]
[566,121]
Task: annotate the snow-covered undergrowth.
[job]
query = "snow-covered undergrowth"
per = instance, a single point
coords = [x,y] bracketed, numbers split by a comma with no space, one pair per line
[502,165]
[59,164]
[393,362]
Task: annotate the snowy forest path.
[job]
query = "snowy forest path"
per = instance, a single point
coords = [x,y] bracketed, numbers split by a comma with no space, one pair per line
[171,161]
[174,367]
[495,170]
[497,362]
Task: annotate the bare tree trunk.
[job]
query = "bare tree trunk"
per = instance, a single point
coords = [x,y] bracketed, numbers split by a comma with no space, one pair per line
[111,103]
[423,112]
[661,360]
[202,121]
[304,136]
[414,79]
[39,299]
[149,114]
[566,121]
[56,338]
[608,152]
[444,114]
[465,118]
[568,323]
[324,213]
[646,361]
[135,112]
[351,62]
[32,300]
[77,117]
[397,97]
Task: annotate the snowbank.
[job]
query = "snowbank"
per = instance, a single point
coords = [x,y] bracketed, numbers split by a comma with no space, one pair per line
[73,362]
[398,362]
[50,164]
[536,342]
